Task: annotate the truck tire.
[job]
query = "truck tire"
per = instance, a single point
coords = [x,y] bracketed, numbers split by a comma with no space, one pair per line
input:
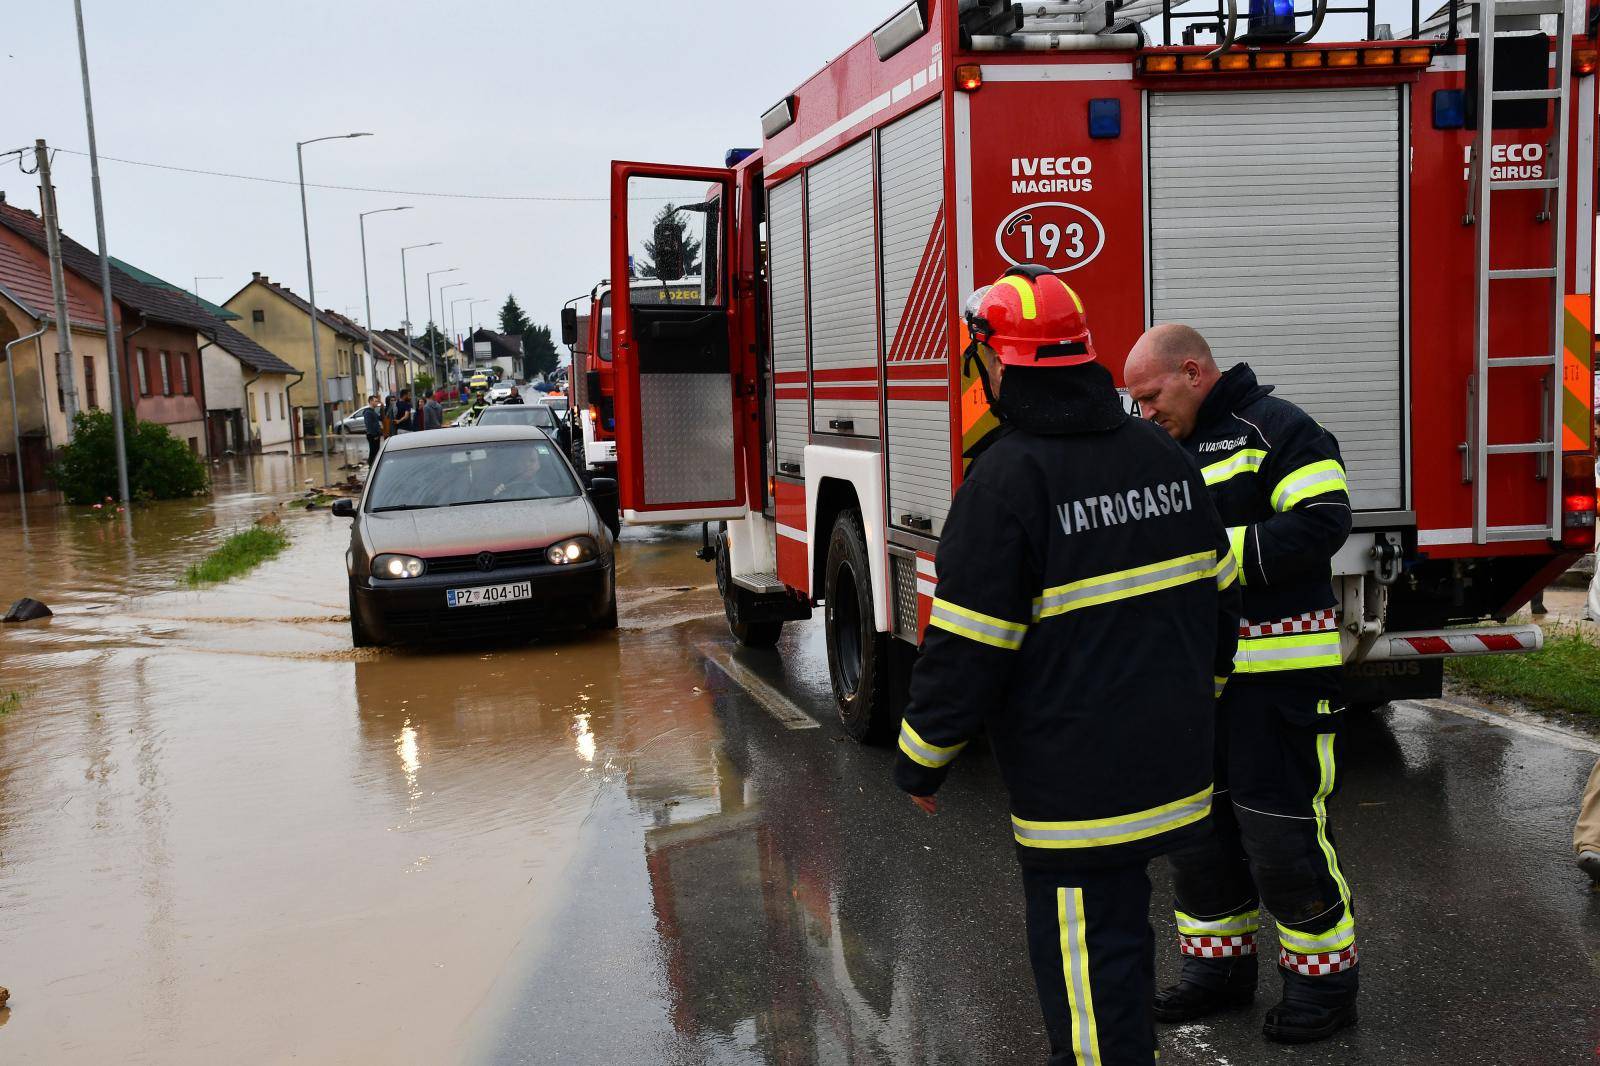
[858,655]
[762,635]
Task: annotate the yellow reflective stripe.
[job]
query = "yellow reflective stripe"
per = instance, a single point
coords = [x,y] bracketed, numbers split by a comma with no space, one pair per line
[1319,806]
[1070,292]
[1299,651]
[1244,461]
[1338,938]
[1232,925]
[1075,971]
[1227,571]
[1315,479]
[1124,584]
[920,751]
[974,625]
[1221,683]
[1030,309]
[1100,832]
[1236,542]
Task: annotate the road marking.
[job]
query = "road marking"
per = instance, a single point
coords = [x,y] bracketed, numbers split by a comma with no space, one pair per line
[1516,721]
[781,707]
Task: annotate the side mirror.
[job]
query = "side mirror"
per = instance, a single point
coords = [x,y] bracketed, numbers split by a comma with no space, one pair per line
[569,326]
[603,486]
[344,507]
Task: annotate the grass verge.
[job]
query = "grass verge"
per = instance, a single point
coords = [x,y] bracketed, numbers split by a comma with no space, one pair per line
[239,554]
[10,700]
[322,499]
[1560,677]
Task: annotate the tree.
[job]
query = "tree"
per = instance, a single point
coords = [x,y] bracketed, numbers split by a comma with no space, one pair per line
[513,323]
[673,252]
[160,466]
[539,354]
[432,335]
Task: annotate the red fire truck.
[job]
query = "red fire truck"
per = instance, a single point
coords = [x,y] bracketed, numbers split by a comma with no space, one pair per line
[1337,214]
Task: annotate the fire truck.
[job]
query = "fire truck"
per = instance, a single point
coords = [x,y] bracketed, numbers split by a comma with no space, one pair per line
[593,385]
[1396,233]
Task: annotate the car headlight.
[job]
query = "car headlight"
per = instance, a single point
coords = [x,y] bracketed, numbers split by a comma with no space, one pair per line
[397,566]
[576,550]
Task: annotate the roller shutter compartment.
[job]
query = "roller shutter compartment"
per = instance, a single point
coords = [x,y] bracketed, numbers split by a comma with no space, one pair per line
[1275,230]
[786,289]
[842,272]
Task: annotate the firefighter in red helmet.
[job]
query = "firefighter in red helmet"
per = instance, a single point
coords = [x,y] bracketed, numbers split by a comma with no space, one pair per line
[1087,602]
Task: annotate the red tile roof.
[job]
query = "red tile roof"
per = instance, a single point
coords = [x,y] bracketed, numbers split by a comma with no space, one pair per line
[25,275]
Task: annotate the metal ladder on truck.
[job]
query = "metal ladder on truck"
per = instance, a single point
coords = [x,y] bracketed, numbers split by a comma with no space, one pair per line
[1479,388]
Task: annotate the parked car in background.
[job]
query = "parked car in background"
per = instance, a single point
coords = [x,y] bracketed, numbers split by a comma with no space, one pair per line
[356,423]
[476,532]
[500,391]
[557,402]
[536,415]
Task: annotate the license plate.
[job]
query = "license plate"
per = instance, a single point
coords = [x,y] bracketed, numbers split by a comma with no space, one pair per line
[483,595]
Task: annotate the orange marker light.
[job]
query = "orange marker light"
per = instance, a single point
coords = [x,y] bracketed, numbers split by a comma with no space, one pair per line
[1342,58]
[1584,61]
[1160,64]
[1302,60]
[1199,63]
[969,77]
[1378,57]
[1234,61]
[1416,55]
[1270,60]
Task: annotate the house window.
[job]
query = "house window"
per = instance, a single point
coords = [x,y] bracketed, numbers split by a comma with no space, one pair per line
[266,401]
[194,445]
[142,365]
[183,374]
[165,364]
[282,409]
[253,417]
[91,395]
[258,315]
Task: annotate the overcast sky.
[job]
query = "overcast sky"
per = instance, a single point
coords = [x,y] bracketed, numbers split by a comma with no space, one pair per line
[484,97]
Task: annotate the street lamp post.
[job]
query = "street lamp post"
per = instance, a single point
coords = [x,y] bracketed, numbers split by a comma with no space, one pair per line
[472,322]
[311,296]
[433,332]
[366,288]
[453,338]
[453,330]
[405,287]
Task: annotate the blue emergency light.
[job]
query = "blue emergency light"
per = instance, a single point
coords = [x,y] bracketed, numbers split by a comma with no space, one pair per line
[1271,20]
[735,156]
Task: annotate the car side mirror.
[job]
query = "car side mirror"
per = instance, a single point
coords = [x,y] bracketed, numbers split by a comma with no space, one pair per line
[603,486]
[344,508]
[569,326]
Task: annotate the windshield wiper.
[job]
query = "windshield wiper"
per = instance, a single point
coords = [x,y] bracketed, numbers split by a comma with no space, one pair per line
[401,507]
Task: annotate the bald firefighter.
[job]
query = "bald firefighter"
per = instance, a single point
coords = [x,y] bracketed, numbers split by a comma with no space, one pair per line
[1086,602]
[1279,483]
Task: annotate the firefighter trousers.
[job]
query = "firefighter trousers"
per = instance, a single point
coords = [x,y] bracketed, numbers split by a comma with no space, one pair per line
[1269,842]
[1093,956]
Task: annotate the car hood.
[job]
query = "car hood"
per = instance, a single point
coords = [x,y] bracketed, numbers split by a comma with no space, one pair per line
[481,527]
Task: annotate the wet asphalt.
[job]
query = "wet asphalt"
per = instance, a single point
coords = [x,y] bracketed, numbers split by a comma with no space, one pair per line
[227,837]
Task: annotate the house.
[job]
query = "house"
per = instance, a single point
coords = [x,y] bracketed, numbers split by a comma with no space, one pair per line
[502,350]
[39,416]
[162,378]
[250,405]
[279,320]
[399,362]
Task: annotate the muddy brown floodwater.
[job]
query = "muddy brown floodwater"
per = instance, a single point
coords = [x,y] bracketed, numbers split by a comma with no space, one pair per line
[225,836]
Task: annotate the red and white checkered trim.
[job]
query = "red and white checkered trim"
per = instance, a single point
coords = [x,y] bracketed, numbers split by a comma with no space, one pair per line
[1217,947]
[1319,965]
[1310,622]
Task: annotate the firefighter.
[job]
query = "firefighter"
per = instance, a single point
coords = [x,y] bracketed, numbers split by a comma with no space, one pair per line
[1086,603]
[1279,483]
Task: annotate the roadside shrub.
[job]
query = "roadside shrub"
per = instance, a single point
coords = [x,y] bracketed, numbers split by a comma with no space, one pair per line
[160,466]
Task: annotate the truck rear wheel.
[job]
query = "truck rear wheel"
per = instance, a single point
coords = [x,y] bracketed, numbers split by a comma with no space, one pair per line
[761,635]
[858,655]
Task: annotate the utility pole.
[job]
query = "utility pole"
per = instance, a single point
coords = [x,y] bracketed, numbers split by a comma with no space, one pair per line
[113,350]
[66,380]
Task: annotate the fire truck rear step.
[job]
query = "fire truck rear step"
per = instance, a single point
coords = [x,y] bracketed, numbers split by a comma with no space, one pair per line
[761,584]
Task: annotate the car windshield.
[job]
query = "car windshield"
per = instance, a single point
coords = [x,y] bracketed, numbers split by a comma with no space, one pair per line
[457,475]
[534,414]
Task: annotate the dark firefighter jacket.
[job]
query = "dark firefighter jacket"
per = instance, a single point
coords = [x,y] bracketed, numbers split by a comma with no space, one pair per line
[1086,607]
[1279,484]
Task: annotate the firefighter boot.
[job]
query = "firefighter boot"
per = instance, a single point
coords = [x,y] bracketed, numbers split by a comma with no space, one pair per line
[1312,1008]
[1208,986]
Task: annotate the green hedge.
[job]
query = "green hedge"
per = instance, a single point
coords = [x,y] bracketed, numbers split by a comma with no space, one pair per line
[160,466]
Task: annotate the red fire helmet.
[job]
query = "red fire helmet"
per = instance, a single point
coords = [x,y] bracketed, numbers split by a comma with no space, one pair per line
[1030,317]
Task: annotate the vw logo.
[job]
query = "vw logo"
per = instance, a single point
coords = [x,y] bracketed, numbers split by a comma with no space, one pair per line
[486,560]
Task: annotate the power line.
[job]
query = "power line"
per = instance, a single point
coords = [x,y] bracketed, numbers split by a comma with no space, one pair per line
[340,188]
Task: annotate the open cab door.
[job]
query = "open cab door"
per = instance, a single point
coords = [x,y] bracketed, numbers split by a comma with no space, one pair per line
[678,455]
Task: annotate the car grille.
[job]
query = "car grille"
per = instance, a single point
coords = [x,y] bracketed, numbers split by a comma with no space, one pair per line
[468,564]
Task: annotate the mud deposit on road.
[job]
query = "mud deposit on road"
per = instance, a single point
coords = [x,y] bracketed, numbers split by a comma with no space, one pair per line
[227,837]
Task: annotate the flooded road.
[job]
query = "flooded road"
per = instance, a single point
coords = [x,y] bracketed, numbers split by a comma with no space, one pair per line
[225,837]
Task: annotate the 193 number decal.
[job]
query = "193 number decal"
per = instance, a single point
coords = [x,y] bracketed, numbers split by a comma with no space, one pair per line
[1058,235]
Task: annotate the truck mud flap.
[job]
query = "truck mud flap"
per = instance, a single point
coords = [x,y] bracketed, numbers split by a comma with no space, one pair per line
[1373,684]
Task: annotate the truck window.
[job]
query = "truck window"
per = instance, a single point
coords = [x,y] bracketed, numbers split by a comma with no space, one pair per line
[605,328]
[675,243]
